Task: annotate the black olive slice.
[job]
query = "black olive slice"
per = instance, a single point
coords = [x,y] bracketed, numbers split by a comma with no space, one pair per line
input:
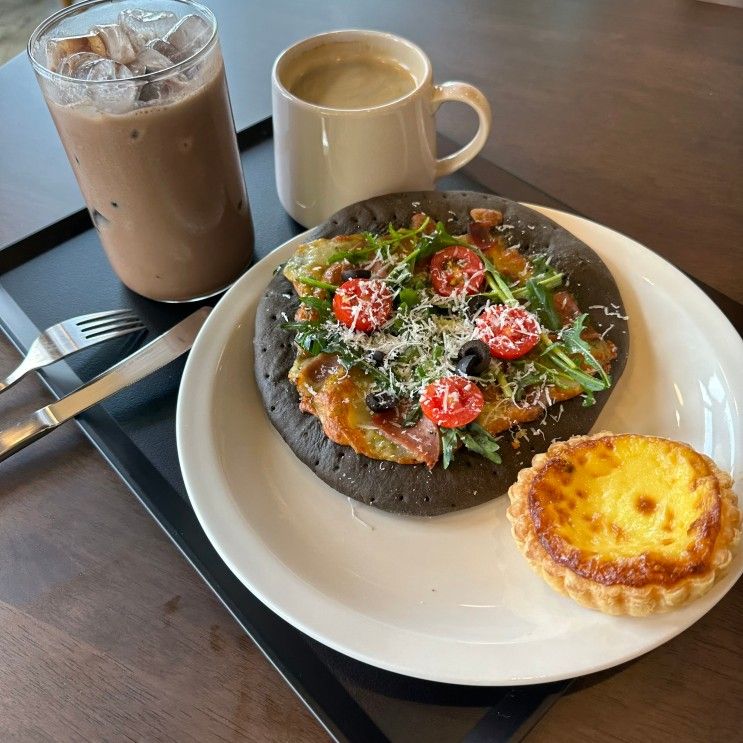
[377,358]
[476,348]
[475,303]
[471,366]
[380,401]
[355,273]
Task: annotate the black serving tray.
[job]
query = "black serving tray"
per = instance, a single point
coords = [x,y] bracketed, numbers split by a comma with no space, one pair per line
[135,431]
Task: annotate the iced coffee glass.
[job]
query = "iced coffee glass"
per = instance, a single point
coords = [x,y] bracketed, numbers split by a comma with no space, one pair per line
[138,94]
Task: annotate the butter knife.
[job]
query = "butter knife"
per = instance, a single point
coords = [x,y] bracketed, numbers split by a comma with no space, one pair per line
[156,354]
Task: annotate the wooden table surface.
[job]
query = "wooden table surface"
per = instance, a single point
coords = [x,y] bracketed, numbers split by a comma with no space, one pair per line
[631,112]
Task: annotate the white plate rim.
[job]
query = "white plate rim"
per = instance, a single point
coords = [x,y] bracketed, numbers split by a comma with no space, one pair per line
[315,623]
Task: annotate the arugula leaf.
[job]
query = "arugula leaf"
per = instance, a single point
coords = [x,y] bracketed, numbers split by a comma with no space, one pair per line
[504,385]
[309,281]
[449,442]
[375,243]
[520,384]
[405,233]
[428,244]
[575,344]
[477,439]
[320,306]
[307,337]
[586,381]
[431,242]
[400,274]
[498,285]
[540,300]
[352,256]
[588,400]
[556,376]
[408,297]
[314,337]
[542,263]
[473,437]
[544,275]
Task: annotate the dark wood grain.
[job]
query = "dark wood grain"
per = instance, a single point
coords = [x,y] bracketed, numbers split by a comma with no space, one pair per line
[108,634]
[105,631]
[687,690]
[630,111]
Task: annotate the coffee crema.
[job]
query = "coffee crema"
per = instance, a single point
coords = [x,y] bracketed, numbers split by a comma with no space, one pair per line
[355,82]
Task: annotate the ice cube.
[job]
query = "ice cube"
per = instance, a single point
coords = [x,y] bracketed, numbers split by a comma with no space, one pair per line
[111,89]
[78,64]
[189,36]
[117,92]
[145,25]
[118,96]
[58,49]
[118,45]
[160,91]
[89,66]
[163,47]
[150,59]
[107,69]
[106,41]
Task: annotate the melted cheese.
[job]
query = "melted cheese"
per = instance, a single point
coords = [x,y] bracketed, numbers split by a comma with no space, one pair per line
[419,345]
[626,496]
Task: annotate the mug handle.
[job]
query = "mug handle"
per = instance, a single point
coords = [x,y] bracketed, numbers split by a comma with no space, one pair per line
[469,94]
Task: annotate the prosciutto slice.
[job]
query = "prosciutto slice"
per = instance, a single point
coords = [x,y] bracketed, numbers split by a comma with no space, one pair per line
[421,440]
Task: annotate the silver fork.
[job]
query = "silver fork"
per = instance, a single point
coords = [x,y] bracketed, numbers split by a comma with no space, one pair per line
[70,336]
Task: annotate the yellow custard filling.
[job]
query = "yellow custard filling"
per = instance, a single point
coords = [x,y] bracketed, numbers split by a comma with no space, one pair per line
[627,509]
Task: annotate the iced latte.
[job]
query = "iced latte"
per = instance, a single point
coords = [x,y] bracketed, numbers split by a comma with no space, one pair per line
[139,97]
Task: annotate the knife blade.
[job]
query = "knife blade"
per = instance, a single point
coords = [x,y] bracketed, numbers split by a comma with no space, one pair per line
[148,359]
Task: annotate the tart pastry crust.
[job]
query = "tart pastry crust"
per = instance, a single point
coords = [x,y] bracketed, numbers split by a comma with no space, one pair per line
[624,523]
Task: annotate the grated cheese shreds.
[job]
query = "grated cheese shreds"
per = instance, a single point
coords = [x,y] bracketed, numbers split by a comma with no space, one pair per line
[421,342]
[422,347]
[613,312]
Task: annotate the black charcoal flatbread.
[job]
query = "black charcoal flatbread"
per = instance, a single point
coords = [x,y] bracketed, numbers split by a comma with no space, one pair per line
[470,480]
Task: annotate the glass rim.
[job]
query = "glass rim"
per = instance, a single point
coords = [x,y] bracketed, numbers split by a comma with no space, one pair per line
[77,8]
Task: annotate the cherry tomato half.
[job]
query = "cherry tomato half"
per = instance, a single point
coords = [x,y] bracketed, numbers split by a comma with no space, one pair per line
[457,269]
[452,402]
[363,304]
[509,332]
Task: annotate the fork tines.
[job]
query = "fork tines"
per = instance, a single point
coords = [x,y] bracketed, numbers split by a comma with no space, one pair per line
[115,322]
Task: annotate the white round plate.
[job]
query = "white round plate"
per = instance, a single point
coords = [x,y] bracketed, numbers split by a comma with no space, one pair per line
[449,598]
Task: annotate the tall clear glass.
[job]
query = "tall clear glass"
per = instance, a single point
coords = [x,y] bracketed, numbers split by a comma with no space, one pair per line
[138,94]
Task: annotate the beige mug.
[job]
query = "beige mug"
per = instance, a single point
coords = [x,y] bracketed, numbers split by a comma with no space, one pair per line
[328,157]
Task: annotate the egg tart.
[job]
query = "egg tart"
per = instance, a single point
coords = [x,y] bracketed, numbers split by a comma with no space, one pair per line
[624,523]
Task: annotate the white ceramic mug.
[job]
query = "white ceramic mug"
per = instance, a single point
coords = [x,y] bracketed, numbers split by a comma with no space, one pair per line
[327,158]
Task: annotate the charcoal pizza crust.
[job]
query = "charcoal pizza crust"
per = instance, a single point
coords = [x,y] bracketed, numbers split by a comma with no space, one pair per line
[470,480]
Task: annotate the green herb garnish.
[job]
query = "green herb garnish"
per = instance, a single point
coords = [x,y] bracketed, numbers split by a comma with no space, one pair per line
[477,439]
[408,296]
[499,288]
[541,303]
[588,399]
[417,348]
[473,437]
[575,344]
[320,306]
[449,442]
[309,281]
[428,244]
